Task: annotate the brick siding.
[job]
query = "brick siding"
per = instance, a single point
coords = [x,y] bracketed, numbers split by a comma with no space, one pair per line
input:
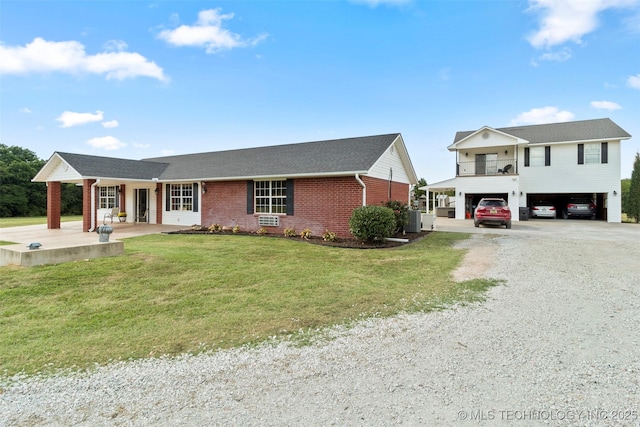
[320,204]
[53,204]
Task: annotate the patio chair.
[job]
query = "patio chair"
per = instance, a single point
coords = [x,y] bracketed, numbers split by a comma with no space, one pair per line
[143,217]
[505,169]
[111,215]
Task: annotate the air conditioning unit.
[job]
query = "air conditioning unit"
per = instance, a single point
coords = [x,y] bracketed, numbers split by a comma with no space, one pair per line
[269,221]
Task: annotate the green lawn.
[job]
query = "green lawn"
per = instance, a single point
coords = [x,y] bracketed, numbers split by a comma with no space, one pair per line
[33,220]
[171,294]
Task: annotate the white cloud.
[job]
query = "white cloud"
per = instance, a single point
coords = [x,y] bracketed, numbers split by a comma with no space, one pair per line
[208,32]
[569,20]
[25,110]
[115,46]
[537,116]
[634,81]
[108,143]
[69,118]
[605,105]
[41,56]
[110,124]
[375,3]
[137,145]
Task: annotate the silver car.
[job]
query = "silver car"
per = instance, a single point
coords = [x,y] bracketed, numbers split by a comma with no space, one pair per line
[543,210]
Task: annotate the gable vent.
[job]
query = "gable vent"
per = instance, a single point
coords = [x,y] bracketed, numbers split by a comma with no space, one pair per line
[269,221]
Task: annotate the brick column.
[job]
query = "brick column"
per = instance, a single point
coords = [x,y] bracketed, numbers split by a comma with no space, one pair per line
[123,197]
[53,204]
[86,204]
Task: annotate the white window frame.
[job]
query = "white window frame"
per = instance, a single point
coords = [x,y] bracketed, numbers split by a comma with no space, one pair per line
[536,156]
[592,152]
[108,197]
[270,197]
[181,197]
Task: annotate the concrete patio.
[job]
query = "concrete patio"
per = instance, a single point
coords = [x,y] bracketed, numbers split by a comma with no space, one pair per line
[68,243]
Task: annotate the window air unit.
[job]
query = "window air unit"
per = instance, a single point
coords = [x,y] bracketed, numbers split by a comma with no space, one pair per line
[269,221]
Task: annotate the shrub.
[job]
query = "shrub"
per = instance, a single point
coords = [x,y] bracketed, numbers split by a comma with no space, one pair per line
[290,232]
[371,223]
[236,229]
[261,231]
[401,212]
[305,234]
[214,228]
[329,236]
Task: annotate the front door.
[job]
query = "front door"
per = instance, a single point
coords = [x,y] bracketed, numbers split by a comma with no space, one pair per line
[142,205]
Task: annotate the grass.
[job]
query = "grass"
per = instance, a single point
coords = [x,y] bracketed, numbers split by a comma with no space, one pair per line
[171,294]
[33,220]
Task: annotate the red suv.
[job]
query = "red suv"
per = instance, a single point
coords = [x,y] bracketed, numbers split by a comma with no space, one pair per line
[492,211]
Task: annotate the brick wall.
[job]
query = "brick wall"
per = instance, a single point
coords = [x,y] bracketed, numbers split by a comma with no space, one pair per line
[53,204]
[378,191]
[319,204]
[86,204]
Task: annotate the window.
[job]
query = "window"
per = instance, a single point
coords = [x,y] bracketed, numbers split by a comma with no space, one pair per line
[108,197]
[591,153]
[537,156]
[271,197]
[181,196]
[595,152]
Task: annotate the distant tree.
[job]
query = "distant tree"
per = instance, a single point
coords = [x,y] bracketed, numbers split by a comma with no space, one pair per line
[624,194]
[633,204]
[71,200]
[417,193]
[18,195]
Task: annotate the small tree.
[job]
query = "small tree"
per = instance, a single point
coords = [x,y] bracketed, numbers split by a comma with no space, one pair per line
[371,223]
[633,203]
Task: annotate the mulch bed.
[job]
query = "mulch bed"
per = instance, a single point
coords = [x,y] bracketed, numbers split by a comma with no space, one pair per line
[317,240]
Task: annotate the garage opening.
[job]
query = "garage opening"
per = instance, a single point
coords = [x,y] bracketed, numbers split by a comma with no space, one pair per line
[561,201]
[472,200]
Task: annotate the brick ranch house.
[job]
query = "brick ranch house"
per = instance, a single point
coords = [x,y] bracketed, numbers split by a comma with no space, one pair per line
[314,185]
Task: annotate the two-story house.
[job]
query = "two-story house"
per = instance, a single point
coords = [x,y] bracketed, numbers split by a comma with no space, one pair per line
[526,164]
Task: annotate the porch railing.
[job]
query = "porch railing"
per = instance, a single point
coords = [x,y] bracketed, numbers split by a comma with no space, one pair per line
[489,167]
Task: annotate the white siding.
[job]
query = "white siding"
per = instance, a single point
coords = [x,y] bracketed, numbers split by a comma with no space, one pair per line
[494,139]
[507,184]
[62,172]
[179,217]
[565,175]
[390,161]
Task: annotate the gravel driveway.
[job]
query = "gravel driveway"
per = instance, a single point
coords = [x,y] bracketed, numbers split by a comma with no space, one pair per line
[557,344]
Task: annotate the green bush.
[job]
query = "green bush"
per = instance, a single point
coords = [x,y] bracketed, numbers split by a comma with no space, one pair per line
[401,212]
[371,223]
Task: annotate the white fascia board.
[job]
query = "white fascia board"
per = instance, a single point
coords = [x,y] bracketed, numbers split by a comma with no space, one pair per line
[264,177]
[455,145]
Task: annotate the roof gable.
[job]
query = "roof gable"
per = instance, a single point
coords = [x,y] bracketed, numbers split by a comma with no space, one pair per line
[585,130]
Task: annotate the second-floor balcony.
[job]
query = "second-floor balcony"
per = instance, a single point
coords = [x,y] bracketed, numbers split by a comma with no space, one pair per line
[481,167]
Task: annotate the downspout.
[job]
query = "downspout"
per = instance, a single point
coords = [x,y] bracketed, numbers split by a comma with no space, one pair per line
[93,205]
[364,189]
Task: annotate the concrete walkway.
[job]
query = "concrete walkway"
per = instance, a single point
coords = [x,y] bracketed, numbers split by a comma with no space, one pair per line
[68,243]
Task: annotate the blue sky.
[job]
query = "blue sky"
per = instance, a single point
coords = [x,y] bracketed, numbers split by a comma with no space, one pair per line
[136,79]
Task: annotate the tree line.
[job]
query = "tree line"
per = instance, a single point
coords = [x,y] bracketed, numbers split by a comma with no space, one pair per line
[21,197]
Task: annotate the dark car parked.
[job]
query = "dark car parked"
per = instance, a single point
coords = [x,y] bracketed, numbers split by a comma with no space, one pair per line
[492,211]
[579,207]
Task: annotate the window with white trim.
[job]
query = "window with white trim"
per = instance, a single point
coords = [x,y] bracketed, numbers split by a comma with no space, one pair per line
[270,197]
[108,197]
[536,156]
[592,152]
[181,197]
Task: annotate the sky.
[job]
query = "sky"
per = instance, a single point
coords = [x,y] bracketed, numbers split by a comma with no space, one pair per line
[139,79]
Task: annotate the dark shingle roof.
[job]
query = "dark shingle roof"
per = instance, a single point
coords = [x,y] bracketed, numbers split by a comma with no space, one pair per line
[336,156]
[111,167]
[596,129]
